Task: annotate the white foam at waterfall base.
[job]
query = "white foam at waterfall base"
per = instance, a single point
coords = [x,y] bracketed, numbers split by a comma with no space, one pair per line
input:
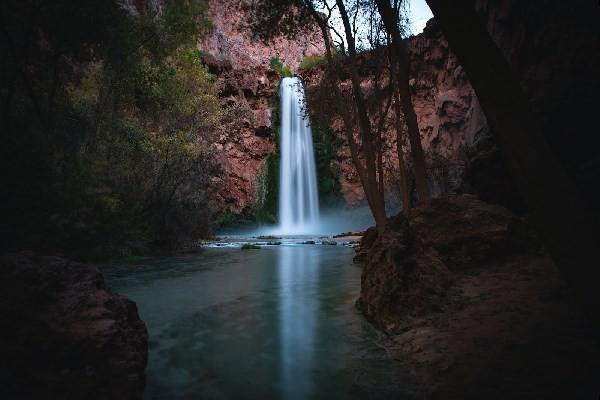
[298,194]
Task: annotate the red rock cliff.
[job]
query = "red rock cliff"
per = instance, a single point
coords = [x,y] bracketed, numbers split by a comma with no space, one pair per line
[241,63]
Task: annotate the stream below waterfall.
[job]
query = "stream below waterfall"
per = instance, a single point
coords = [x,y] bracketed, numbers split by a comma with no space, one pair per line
[274,323]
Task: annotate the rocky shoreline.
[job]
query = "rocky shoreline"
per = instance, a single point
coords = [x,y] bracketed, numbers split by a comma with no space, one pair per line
[475,307]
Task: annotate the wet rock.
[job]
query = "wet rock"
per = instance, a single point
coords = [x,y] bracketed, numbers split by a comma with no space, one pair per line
[475,308]
[408,270]
[65,334]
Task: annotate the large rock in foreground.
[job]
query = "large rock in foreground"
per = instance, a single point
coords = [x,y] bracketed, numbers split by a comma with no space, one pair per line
[65,334]
[410,267]
[475,307]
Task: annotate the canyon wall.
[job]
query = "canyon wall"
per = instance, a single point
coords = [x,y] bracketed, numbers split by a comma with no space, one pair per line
[448,112]
[240,61]
[553,57]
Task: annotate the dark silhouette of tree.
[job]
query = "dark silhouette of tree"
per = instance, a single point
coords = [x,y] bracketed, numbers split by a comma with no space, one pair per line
[400,61]
[106,121]
[560,216]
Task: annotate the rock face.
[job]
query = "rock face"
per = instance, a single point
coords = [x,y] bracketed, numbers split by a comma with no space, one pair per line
[411,266]
[232,42]
[65,335]
[448,113]
[447,109]
[553,51]
[475,307]
[245,81]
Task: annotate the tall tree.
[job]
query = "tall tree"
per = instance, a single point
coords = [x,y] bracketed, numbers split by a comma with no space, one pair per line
[400,61]
[558,213]
[374,186]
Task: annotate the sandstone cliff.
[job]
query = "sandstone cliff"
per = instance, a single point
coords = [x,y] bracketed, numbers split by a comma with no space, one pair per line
[245,80]
[547,52]
[448,112]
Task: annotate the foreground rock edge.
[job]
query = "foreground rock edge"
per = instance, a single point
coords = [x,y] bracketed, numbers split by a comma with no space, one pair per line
[68,336]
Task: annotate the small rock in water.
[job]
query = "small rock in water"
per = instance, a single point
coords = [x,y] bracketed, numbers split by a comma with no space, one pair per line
[308,242]
[250,246]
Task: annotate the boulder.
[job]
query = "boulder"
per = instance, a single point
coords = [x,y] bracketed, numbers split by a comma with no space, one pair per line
[474,307]
[410,268]
[65,334]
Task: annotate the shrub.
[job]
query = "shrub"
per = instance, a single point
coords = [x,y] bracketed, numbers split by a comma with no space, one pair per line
[279,67]
[312,61]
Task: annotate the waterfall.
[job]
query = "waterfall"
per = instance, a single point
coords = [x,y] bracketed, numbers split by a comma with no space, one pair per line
[298,196]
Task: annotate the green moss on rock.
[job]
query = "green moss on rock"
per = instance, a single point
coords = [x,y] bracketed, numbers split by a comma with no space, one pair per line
[267,189]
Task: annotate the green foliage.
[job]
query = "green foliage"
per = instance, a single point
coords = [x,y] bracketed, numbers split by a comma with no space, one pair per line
[267,189]
[109,128]
[278,66]
[328,181]
[267,180]
[274,103]
[313,61]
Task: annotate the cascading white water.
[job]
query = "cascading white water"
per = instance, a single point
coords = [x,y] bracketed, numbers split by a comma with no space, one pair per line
[298,196]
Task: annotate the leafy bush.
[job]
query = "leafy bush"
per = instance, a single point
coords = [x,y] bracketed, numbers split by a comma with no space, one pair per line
[267,189]
[328,181]
[117,157]
[312,61]
[279,67]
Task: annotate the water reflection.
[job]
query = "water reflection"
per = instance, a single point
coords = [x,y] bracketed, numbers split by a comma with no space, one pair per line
[298,306]
[275,323]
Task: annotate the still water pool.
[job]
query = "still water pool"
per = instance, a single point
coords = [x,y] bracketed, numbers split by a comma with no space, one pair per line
[274,323]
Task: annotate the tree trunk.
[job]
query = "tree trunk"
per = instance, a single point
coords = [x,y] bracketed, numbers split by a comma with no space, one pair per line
[401,64]
[378,204]
[557,212]
[367,173]
[404,192]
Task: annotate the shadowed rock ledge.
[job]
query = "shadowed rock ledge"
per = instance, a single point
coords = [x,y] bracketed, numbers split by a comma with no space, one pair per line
[474,307]
[65,334]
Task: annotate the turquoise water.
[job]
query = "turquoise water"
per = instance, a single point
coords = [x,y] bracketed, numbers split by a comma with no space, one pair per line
[274,323]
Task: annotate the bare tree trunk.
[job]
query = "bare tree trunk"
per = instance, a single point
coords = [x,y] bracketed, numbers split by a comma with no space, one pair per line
[378,203]
[368,172]
[559,215]
[401,65]
[404,191]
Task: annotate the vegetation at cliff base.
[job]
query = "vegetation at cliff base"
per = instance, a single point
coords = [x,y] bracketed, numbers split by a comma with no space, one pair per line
[328,180]
[309,62]
[278,66]
[107,128]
